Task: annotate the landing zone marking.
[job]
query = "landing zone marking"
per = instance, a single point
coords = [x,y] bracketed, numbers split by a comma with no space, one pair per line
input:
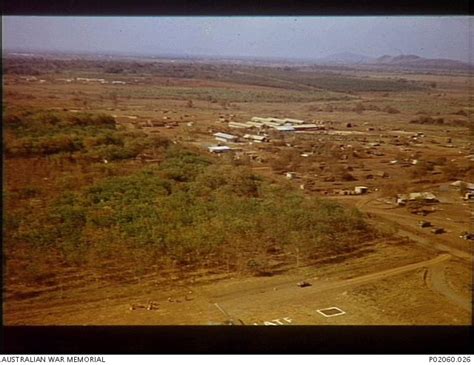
[276,322]
[331,312]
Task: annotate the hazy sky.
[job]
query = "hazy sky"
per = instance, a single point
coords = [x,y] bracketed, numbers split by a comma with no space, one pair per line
[298,37]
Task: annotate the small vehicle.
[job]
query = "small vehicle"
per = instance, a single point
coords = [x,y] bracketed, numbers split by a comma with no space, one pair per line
[425,224]
[438,230]
[467,236]
[303,284]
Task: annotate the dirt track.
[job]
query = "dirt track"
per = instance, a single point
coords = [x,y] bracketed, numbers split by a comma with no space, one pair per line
[272,295]
[420,237]
[436,280]
[400,221]
[323,286]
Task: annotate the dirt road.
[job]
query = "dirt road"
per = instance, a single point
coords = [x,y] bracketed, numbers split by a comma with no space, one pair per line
[436,280]
[245,304]
[399,220]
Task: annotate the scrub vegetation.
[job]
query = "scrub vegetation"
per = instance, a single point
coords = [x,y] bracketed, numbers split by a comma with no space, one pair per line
[189,211]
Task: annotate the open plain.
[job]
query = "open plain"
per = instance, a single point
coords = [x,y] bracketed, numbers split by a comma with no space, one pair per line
[364,204]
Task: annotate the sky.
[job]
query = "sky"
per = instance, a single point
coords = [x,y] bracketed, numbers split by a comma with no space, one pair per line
[287,37]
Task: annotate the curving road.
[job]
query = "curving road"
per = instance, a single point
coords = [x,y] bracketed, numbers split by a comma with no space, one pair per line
[424,239]
[436,281]
[283,290]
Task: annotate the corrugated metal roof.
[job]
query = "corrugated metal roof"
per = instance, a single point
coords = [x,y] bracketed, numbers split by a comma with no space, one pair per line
[423,195]
[254,136]
[294,121]
[459,183]
[219,148]
[278,121]
[224,135]
[254,124]
[271,124]
[305,126]
[259,119]
[284,128]
[417,196]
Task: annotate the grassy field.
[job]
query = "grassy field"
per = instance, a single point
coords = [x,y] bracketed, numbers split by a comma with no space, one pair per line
[230,95]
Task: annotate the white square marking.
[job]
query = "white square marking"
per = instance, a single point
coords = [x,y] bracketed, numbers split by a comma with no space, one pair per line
[331,312]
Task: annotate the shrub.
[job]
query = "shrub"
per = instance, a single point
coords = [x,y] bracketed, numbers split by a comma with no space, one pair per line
[28,192]
[391,110]
[422,169]
[452,172]
[428,120]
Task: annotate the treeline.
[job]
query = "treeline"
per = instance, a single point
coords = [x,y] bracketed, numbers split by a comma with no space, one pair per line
[293,79]
[424,119]
[84,136]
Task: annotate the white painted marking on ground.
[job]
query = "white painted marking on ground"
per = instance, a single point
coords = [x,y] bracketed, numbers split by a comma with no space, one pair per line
[340,312]
[276,322]
[222,310]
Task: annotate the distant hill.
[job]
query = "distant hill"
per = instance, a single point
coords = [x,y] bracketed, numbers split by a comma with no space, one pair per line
[414,61]
[401,61]
[398,59]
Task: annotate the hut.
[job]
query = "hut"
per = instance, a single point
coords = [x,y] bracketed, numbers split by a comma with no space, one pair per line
[361,190]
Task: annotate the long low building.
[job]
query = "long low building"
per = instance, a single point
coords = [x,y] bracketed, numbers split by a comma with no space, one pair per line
[272,124]
[224,137]
[285,128]
[255,137]
[219,149]
[294,121]
[272,120]
[466,185]
[305,126]
[278,121]
[425,197]
[260,119]
[254,124]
